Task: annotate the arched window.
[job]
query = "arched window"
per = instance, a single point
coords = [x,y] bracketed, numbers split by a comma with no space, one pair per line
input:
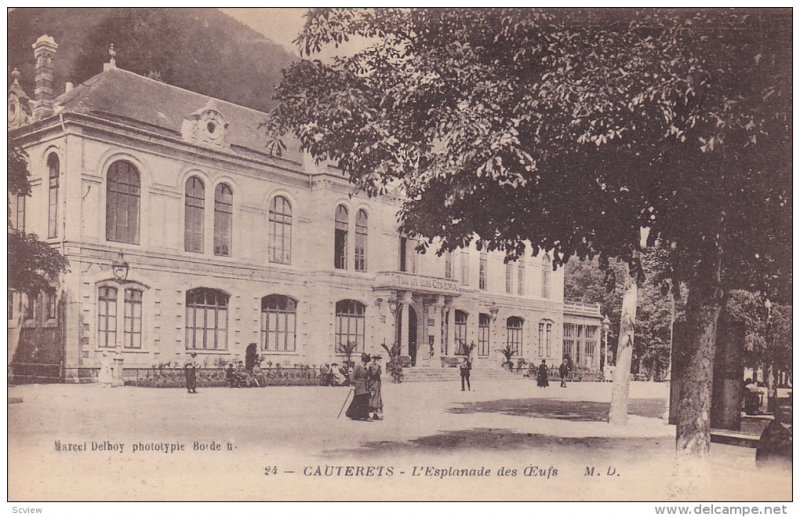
[361,240]
[340,238]
[278,323]
[206,319]
[514,334]
[349,325]
[547,268]
[122,203]
[132,334]
[461,333]
[280,231]
[107,317]
[52,203]
[545,338]
[484,320]
[194,207]
[223,219]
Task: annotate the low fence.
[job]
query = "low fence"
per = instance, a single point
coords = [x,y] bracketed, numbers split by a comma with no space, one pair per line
[211,377]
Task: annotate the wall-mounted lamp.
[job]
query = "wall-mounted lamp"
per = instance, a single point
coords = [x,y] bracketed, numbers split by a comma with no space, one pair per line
[392,301]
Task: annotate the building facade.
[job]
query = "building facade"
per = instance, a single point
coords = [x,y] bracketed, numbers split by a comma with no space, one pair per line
[184,235]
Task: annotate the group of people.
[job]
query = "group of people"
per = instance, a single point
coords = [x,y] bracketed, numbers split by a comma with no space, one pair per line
[365,378]
[543,372]
[241,377]
[334,375]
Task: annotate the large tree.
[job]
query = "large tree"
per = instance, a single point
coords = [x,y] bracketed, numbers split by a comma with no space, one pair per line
[32,264]
[571,130]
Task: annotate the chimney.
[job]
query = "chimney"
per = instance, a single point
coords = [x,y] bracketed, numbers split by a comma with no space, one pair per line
[43,51]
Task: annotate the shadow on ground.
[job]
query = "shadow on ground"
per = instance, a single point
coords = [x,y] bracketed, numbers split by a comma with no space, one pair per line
[448,442]
[576,411]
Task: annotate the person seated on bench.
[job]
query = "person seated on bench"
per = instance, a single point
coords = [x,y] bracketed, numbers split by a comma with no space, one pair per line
[230,376]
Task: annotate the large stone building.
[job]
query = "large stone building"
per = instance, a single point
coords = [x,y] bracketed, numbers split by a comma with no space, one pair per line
[184,235]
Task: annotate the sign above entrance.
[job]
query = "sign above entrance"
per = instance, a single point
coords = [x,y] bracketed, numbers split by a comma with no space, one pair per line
[416,283]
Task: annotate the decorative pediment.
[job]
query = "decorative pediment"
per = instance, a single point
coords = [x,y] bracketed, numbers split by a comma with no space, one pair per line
[19,112]
[206,126]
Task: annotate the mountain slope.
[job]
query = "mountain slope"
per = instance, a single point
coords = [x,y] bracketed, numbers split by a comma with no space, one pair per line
[203,50]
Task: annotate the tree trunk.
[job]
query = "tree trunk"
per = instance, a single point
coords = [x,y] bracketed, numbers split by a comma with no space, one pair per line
[618,413]
[693,433]
[726,402]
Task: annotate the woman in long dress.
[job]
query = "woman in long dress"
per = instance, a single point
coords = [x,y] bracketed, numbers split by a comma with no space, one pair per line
[374,383]
[541,377]
[359,408]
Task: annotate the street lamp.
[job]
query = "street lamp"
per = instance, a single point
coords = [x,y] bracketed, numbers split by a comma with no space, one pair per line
[392,301]
[606,324]
[120,268]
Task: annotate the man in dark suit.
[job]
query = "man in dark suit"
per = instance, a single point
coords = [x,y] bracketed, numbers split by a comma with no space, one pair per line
[464,366]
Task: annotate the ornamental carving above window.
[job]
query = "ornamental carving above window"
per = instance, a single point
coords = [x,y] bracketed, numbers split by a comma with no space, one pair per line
[206,126]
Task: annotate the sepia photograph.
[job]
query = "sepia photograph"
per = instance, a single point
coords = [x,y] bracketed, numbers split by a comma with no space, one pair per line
[400,254]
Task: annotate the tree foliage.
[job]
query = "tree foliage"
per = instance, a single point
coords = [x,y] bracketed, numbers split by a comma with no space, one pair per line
[31,262]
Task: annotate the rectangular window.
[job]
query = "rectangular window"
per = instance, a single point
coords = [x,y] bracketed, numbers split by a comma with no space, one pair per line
[340,259]
[548,341]
[578,343]
[483,334]
[193,229]
[509,278]
[448,265]
[206,319]
[521,277]
[52,208]
[403,257]
[107,317]
[361,248]
[19,213]
[50,305]
[133,319]
[541,339]
[465,268]
[482,267]
[514,331]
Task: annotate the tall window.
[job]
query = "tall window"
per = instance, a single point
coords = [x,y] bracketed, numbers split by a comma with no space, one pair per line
[545,338]
[132,336]
[19,212]
[514,334]
[461,332]
[223,219]
[206,319]
[579,343]
[484,321]
[482,271]
[448,265]
[50,304]
[340,238]
[465,268]
[547,268]
[278,323]
[194,204]
[280,231]
[521,277]
[122,203]
[361,240]
[349,324]
[591,341]
[107,316]
[509,278]
[569,340]
[408,255]
[52,203]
